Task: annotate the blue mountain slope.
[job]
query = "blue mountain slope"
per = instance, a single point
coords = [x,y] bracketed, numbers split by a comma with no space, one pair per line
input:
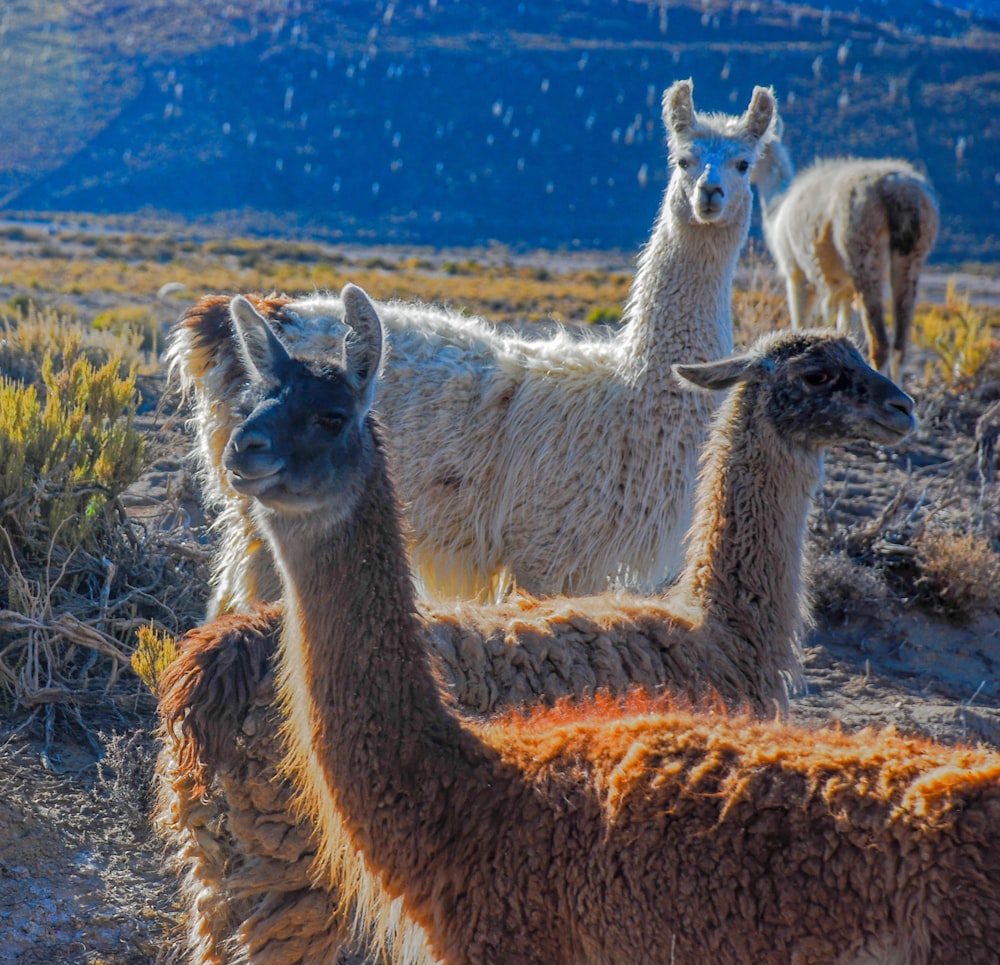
[530,123]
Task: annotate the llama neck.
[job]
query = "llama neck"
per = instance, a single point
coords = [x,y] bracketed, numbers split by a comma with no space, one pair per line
[773,175]
[366,725]
[680,304]
[744,556]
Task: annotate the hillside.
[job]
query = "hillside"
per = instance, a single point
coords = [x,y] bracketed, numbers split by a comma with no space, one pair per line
[446,122]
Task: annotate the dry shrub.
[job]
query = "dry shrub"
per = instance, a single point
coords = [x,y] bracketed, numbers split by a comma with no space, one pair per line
[918,551]
[959,573]
[126,779]
[78,575]
[842,587]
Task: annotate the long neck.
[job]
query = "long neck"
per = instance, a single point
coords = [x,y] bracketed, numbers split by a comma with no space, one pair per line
[680,304]
[366,726]
[772,175]
[743,566]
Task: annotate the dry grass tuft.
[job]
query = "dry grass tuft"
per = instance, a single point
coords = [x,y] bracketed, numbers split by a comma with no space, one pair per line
[126,778]
[958,573]
[842,587]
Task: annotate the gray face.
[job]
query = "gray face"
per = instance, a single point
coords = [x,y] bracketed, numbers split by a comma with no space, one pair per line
[300,446]
[823,393]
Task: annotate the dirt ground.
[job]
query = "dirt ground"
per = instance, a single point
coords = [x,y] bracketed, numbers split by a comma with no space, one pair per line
[81,878]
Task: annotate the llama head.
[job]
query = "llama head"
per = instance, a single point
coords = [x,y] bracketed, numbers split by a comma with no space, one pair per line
[712,155]
[303,444]
[813,387]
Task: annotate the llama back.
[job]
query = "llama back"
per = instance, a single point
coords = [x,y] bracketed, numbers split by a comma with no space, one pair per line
[880,195]
[545,649]
[785,844]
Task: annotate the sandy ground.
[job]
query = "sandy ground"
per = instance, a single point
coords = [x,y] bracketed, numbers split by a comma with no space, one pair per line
[81,878]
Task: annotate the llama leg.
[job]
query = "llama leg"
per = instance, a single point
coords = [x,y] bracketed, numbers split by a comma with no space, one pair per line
[905,275]
[801,297]
[869,278]
[849,317]
[844,317]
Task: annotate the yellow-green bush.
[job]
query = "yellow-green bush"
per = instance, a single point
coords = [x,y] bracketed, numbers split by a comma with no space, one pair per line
[604,315]
[959,335]
[67,452]
[132,323]
[154,652]
[29,334]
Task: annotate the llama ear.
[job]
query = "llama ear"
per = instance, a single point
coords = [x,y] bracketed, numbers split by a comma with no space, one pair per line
[259,348]
[678,107]
[717,375]
[761,113]
[779,127]
[363,348]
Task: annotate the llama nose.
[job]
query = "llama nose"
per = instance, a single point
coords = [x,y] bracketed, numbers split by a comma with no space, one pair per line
[250,456]
[711,192]
[248,442]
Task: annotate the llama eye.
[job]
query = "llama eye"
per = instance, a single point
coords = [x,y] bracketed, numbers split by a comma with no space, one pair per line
[330,421]
[816,379]
[683,164]
[743,166]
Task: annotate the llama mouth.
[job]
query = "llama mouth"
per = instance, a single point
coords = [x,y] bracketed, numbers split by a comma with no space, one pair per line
[708,214]
[888,431]
[255,486]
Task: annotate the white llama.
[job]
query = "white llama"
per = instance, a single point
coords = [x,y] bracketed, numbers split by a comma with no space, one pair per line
[608,832]
[559,463]
[842,231]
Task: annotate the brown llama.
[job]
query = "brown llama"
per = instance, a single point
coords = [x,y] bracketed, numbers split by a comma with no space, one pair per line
[609,832]
[844,230]
[243,852]
[223,806]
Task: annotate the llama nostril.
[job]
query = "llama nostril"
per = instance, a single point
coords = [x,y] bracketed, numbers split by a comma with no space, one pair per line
[902,403]
[711,191]
[248,441]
